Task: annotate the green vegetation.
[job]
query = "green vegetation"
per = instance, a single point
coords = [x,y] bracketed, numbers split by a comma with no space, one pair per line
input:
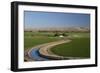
[33,41]
[36,38]
[78,47]
[79,35]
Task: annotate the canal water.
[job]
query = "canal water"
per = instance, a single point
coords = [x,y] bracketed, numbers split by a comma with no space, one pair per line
[36,56]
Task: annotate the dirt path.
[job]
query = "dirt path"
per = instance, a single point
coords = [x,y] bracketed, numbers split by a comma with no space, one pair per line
[45,50]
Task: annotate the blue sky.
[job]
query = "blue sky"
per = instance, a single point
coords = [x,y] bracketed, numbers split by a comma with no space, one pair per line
[54,19]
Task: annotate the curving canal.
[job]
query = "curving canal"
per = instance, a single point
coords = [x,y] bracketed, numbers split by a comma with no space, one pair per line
[34,54]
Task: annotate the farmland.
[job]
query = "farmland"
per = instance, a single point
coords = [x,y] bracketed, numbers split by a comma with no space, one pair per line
[35,38]
[78,47]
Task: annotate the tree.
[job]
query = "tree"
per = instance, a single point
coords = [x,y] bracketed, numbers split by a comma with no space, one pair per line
[56,34]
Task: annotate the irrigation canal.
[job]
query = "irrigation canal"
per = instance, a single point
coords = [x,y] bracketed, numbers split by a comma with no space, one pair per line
[34,54]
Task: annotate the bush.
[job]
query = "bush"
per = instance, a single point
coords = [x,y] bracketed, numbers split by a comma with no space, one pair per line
[56,34]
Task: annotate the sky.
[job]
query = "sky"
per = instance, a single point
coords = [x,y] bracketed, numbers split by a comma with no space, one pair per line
[33,19]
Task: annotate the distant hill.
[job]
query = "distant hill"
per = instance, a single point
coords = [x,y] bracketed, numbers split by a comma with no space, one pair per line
[64,29]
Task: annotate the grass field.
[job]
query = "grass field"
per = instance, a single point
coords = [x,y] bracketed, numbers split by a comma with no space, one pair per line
[78,47]
[33,38]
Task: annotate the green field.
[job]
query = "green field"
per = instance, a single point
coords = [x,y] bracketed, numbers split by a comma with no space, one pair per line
[78,47]
[32,39]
